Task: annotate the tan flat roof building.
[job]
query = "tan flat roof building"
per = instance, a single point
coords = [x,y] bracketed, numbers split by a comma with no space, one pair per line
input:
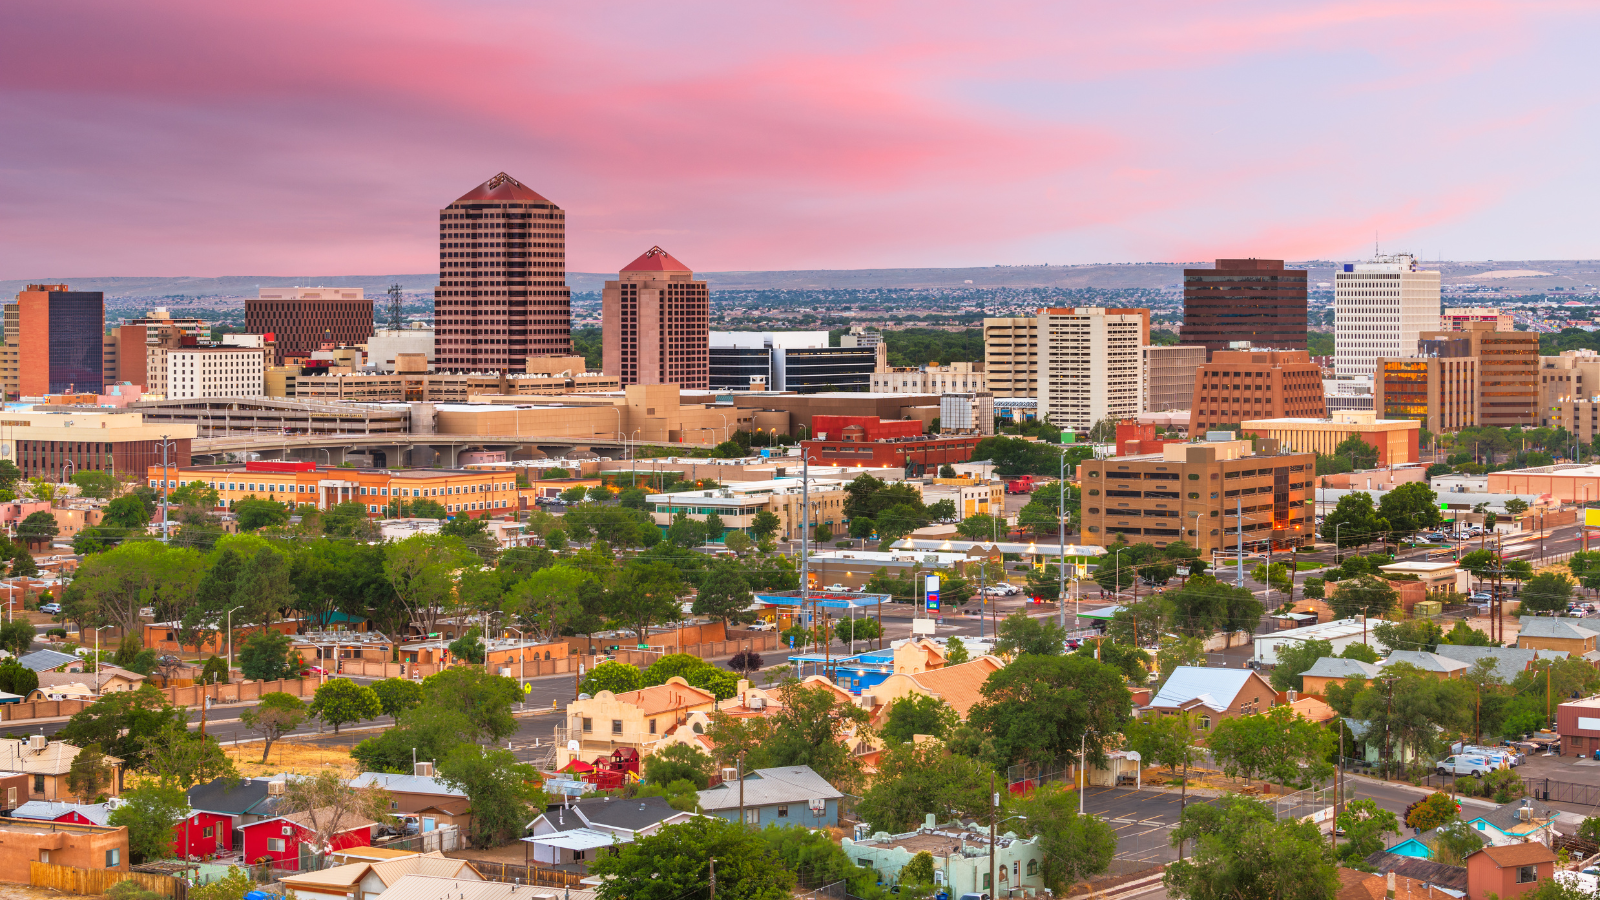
[1011,356]
[1396,440]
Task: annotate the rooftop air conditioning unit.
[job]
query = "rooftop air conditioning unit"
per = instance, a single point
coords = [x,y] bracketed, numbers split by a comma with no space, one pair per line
[37,742]
[275,788]
[423,770]
[758,703]
[730,774]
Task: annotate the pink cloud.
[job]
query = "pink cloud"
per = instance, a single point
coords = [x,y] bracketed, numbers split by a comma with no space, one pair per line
[184,137]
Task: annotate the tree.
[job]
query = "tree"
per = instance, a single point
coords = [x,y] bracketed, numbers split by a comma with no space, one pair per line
[765,524]
[426,732]
[185,757]
[1364,824]
[810,728]
[150,813]
[916,779]
[955,652]
[1076,847]
[725,594]
[1164,741]
[95,483]
[326,805]
[1204,606]
[982,527]
[917,714]
[122,722]
[1038,708]
[111,587]
[215,671]
[469,646]
[265,656]
[484,700]
[644,595]
[421,570]
[16,636]
[274,716]
[745,662]
[1434,810]
[738,542]
[1516,506]
[1132,662]
[396,695]
[675,862]
[1278,577]
[16,678]
[1020,633]
[1412,634]
[1410,508]
[232,886]
[1364,595]
[1178,650]
[254,513]
[1547,592]
[1294,659]
[1354,521]
[916,876]
[1276,744]
[90,774]
[504,792]
[678,762]
[848,630]
[1242,851]
[616,677]
[1361,454]
[38,528]
[340,701]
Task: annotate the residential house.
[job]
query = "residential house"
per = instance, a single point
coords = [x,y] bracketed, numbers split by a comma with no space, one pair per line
[959,685]
[57,811]
[427,887]
[1421,846]
[48,660]
[29,841]
[286,839]
[46,763]
[13,791]
[72,690]
[792,795]
[960,857]
[1335,670]
[1355,884]
[241,803]
[1431,663]
[637,719]
[1211,695]
[1558,633]
[572,832]
[1450,878]
[111,680]
[1508,661]
[1311,708]
[365,880]
[1515,822]
[1508,871]
[421,797]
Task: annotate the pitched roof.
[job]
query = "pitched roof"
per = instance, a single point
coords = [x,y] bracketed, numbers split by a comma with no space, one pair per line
[764,787]
[629,815]
[1214,688]
[435,864]
[50,810]
[960,685]
[1313,709]
[1425,870]
[1526,853]
[1555,627]
[1339,667]
[426,887]
[47,660]
[54,679]
[231,798]
[55,759]
[656,260]
[674,695]
[1507,818]
[304,820]
[500,189]
[406,784]
[1427,662]
[1508,661]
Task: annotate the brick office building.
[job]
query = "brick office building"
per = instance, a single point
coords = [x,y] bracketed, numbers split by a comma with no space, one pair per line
[1255,300]
[656,324]
[302,319]
[1256,384]
[917,453]
[60,340]
[502,294]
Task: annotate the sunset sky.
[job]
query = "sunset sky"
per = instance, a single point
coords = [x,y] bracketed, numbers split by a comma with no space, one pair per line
[202,138]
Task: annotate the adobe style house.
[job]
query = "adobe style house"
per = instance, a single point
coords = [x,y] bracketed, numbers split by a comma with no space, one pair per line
[959,685]
[59,843]
[635,719]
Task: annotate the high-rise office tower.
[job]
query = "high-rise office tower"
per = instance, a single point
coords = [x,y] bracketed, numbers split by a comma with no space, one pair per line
[1011,356]
[1090,364]
[502,294]
[1380,308]
[60,340]
[656,328]
[1256,301]
[302,319]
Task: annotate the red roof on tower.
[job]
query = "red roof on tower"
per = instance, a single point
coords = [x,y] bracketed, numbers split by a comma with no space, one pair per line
[656,260]
[501,189]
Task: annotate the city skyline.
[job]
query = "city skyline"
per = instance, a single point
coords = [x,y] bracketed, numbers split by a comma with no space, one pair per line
[834,137]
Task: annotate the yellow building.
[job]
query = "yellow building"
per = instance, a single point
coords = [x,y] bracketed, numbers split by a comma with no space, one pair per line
[1395,439]
[467,491]
[639,720]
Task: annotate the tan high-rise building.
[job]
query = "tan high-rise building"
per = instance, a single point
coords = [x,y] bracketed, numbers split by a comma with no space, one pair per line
[1011,356]
[1091,364]
[10,353]
[502,294]
[1508,370]
[1169,375]
[1256,384]
[657,328]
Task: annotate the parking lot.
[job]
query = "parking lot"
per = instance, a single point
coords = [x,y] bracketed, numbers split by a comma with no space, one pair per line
[1143,820]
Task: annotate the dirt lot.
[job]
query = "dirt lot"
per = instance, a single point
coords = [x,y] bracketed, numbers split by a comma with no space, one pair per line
[291,756]
[29,892]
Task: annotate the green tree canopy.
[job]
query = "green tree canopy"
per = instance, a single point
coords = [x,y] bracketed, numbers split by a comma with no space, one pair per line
[340,701]
[1076,847]
[916,714]
[504,792]
[916,779]
[1039,708]
[1242,851]
[674,863]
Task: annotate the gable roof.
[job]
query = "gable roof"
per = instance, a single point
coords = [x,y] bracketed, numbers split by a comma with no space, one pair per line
[303,820]
[1505,817]
[1427,662]
[1425,870]
[47,660]
[1214,688]
[50,810]
[765,787]
[655,260]
[628,815]
[222,796]
[960,685]
[1555,627]
[406,784]
[55,679]
[436,864]
[1339,667]
[1526,853]
[1508,661]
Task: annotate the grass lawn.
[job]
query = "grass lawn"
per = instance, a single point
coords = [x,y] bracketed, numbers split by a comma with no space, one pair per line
[1302,565]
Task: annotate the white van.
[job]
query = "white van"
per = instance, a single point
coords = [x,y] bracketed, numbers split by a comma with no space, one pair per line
[1476,766]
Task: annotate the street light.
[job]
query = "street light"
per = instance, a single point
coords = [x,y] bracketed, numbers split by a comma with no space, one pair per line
[230,640]
[522,653]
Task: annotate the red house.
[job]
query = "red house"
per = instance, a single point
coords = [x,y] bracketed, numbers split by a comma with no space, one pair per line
[202,833]
[282,838]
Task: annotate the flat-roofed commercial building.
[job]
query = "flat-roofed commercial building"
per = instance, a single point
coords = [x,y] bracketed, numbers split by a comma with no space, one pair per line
[797,361]
[1245,300]
[1395,439]
[738,505]
[1256,384]
[1381,307]
[1455,318]
[1169,376]
[54,445]
[1439,392]
[60,340]
[302,319]
[915,454]
[930,379]
[1508,370]
[1195,493]
[469,492]
[1011,356]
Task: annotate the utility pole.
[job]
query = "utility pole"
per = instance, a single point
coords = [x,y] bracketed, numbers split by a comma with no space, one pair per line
[994,816]
[741,789]
[1239,524]
[713,863]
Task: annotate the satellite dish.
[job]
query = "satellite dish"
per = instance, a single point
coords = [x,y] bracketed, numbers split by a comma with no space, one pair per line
[572,746]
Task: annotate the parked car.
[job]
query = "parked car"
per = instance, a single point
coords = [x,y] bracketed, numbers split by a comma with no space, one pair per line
[51,608]
[764,626]
[1462,764]
[313,670]
[836,587]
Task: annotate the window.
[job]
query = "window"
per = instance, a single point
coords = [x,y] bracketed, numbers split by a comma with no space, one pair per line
[1033,867]
[588,725]
[113,858]
[274,845]
[206,831]
[652,726]
[783,811]
[38,784]
[1527,874]
[616,726]
[395,804]
[1205,723]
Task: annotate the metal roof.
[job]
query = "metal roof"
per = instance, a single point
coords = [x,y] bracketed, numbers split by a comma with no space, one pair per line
[1213,687]
[578,839]
[765,787]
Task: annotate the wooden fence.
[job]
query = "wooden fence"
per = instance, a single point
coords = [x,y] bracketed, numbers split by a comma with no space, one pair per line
[190,695]
[73,880]
[511,873]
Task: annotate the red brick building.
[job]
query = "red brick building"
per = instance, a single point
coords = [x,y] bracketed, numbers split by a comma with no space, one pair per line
[1256,384]
[1134,439]
[656,324]
[863,428]
[915,453]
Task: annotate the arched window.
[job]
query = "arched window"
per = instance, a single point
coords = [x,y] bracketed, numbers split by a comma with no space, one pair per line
[1205,723]
[1033,867]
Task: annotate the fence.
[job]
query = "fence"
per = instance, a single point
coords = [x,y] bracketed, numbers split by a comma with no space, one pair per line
[442,840]
[1312,804]
[190,695]
[1023,778]
[73,880]
[511,873]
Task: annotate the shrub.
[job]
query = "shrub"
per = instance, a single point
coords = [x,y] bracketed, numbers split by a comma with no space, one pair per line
[1467,786]
[1504,784]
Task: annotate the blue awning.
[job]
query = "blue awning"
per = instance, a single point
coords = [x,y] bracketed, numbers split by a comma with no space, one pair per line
[824,599]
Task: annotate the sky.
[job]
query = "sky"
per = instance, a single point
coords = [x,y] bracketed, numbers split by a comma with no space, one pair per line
[191,137]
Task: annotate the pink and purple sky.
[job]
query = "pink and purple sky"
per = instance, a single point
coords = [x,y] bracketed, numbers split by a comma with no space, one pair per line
[191,137]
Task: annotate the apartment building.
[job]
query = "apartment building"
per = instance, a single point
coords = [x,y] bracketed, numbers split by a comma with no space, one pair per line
[930,379]
[1455,318]
[1091,365]
[1508,390]
[859,336]
[10,354]
[1244,300]
[468,492]
[502,293]
[194,372]
[1380,308]
[1256,384]
[1440,392]
[738,504]
[1169,375]
[1210,494]
[655,323]
[1394,439]
[1011,356]
[1569,392]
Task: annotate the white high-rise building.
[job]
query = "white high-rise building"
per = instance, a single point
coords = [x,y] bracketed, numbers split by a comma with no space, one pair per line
[195,372]
[1091,364]
[1380,308]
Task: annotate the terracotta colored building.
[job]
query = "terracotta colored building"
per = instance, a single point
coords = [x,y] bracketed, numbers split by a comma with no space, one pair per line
[1255,300]
[60,335]
[502,294]
[921,451]
[1394,439]
[1256,384]
[61,844]
[1508,386]
[471,492]
[656,324]
[1508,871]
[1439,392]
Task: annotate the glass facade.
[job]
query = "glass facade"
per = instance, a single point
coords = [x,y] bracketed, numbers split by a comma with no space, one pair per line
[77,322]
[1405,390]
